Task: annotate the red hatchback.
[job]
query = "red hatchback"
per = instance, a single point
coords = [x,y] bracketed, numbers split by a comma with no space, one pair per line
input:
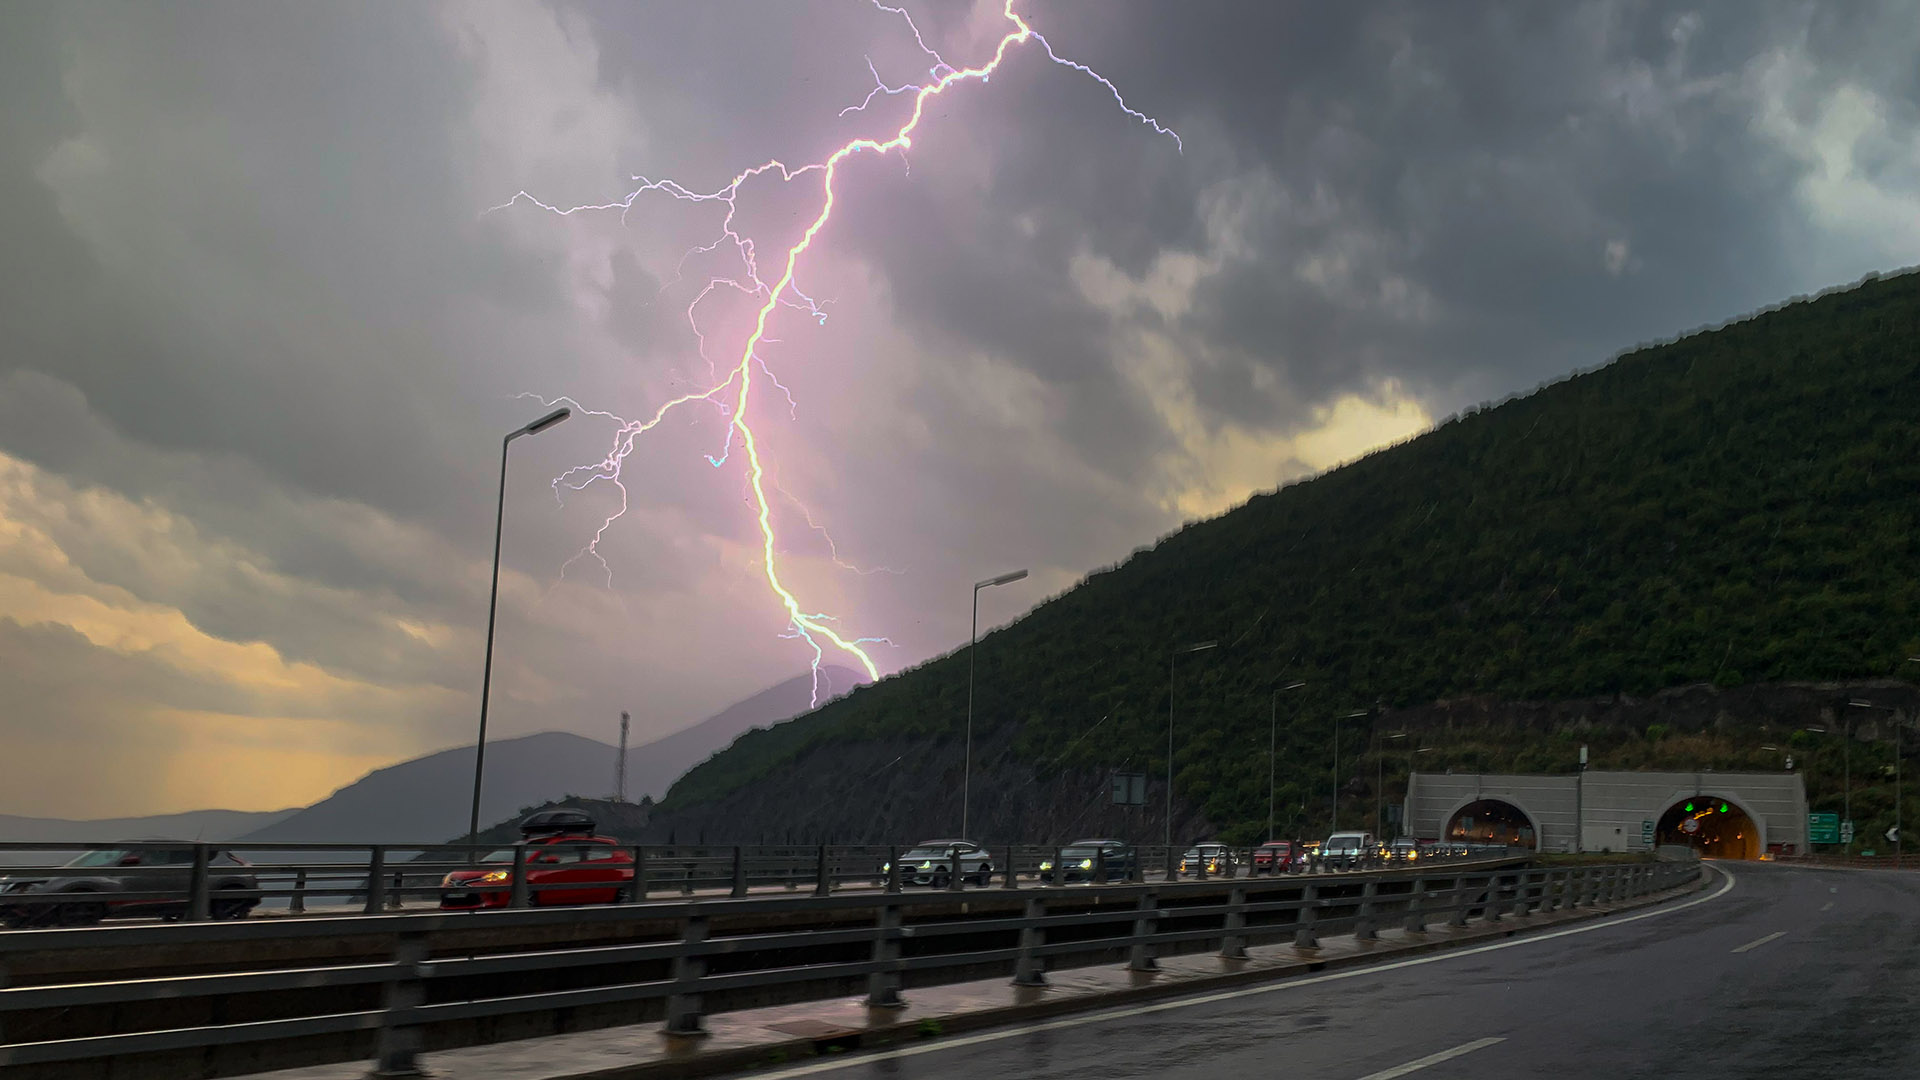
[1278,857]
[565,869]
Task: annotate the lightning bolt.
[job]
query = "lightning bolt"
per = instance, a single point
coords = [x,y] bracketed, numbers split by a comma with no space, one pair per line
[731,392]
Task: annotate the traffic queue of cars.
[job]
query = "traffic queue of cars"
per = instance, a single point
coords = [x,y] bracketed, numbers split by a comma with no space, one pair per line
[562,860]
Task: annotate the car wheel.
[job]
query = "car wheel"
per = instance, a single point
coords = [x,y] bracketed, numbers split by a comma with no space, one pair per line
[229,907]
[985,874]
[623,895]
[81,913]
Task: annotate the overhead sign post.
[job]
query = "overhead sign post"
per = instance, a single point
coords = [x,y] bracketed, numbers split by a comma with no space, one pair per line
[1823,829]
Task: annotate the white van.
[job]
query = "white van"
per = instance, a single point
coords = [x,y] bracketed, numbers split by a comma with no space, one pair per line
[1346,849]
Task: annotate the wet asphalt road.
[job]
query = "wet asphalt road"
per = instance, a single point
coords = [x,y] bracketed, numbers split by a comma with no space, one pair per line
[1835,996]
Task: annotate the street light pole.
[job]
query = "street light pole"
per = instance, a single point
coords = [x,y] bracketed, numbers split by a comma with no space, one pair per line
[1380,779]
[1336,769]
[1273,731]
[1199,647]
[493,605]
[973,643]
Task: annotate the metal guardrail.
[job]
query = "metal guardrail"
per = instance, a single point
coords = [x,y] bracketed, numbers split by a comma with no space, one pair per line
[301,879]
[222,1023]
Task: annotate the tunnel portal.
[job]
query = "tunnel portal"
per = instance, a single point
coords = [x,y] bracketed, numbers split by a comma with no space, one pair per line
[1492,821]
[1712,826]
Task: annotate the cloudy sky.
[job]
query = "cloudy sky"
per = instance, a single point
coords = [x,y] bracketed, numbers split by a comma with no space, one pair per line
[260,337]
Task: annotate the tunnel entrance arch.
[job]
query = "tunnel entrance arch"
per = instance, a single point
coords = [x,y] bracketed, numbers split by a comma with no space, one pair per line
[1713,825]
[1492,821]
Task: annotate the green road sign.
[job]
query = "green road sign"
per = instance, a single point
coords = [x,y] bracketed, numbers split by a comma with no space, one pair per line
[1823,828]
[1646,833]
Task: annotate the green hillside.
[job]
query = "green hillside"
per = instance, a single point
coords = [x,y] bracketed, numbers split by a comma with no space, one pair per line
[1736,507]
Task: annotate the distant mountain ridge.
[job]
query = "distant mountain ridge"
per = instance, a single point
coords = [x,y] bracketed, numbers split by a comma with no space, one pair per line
[426,799]
[212,825]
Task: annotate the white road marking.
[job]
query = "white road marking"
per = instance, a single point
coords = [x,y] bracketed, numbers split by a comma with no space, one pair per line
[1105,1015]
[1756,944]
[1828,906]
[1432,1059]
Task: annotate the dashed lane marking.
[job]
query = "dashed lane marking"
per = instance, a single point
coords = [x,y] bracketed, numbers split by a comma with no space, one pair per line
[1756,944]
[1432,1059]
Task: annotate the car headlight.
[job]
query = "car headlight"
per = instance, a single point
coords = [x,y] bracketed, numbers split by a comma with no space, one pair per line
[886,868]
[1086,864]
[1047,865]
[493,876]
[928,865]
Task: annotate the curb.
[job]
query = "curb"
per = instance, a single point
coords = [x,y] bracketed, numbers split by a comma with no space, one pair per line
[800,1050]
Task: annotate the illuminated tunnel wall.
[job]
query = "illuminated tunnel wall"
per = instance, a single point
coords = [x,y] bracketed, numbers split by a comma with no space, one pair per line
[1711,825]
[1492,821]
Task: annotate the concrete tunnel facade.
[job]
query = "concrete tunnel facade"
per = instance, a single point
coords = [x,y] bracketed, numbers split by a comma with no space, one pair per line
[1615,811]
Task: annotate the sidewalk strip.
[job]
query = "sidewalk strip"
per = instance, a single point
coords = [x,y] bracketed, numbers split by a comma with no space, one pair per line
[1762,941]
[1432,1059]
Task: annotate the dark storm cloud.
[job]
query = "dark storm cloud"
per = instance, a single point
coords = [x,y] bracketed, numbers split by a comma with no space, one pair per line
[262,342]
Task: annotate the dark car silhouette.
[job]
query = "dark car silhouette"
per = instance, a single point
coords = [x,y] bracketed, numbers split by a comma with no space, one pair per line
[147,877]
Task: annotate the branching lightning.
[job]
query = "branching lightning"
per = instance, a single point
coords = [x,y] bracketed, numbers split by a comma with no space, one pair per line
[730,391]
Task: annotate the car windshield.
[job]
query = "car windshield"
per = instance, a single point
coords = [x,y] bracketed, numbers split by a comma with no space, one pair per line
[99,858]
[929,851]
[1086,851]
[503,855]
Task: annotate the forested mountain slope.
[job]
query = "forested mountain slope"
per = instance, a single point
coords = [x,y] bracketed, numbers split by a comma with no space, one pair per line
[1735,507]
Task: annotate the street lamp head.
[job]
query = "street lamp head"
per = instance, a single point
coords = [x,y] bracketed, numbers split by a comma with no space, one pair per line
[544,422]
[1817,730]
[1858,704]
[1003,579]
[1197,647]
[1424,750]
[1293,686]
[1360,713]
[1395,735]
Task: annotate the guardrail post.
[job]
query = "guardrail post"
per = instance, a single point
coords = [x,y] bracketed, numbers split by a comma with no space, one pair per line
[686,882]
[893,869]
[1550,891]
[1099,866]
[199,904]
[1616,885]
[298,904]
[1416,917]
[1173,873]
[1363,929]
[1140,955]
[517,894]
[1028,968]
[1233,941]
[1305,916]
[639,872]
[376,879]
[956,871]
[1491,912]
[1012,873]
[1458,902]
[683,1004]
[823,872]
[883,986]
[397,1043]
[1060,866]
[1200,867]
[739,872]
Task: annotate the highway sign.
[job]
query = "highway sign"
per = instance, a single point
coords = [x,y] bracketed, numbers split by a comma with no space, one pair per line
[1823,828]
[1130,789]
[1893,835]
[1646,833]
[1846,832]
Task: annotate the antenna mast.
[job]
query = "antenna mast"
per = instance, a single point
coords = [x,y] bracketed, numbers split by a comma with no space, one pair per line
[620,763]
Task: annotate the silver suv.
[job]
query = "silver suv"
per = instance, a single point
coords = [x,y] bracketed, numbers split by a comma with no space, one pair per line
[147,877]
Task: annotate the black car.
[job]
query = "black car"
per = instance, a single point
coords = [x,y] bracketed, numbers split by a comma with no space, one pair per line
[148,877]
[1083,860]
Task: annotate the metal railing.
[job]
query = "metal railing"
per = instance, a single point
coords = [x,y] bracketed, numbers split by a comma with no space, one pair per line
[427,990]
[199,882]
